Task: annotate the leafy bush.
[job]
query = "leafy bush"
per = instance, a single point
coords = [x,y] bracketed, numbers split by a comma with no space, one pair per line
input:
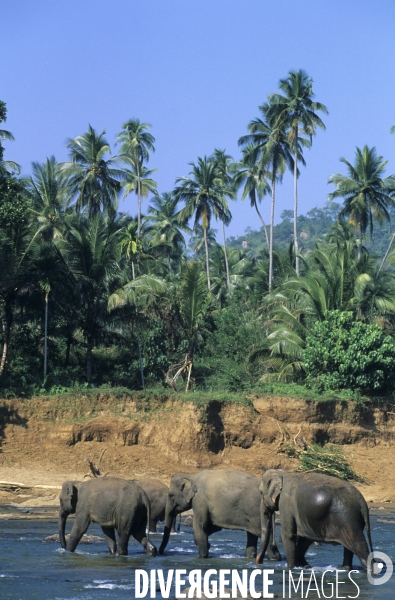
[237,329]
[343,353]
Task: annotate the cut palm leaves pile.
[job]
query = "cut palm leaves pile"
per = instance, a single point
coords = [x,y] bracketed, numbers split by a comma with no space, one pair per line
[327,459]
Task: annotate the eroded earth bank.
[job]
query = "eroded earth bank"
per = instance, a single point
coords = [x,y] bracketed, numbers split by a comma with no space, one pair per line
[45,441]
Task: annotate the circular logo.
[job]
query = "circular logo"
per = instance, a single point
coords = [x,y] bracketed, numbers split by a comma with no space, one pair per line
[376,563]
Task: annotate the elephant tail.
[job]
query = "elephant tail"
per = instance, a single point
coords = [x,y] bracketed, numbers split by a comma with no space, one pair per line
[365,515]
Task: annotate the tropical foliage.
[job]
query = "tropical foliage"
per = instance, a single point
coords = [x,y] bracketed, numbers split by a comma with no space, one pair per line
[92,296]
[367,195]
[343,353]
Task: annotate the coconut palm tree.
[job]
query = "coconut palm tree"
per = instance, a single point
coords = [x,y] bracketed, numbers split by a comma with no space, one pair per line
[220,285]
[15,260]
[366,193]
[139,181]
[271,140]
[204,194]
[136,144]
[250,173]
[224,164]
[196,241]
[91,252]
[92,180]
[141,286]
[52,217]
[7,167]
[131,246]
[49,200]
[297,110]
[166,231]
[192,299]
[51,280]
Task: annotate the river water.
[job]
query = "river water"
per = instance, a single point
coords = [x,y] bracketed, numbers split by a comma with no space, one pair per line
[34,570]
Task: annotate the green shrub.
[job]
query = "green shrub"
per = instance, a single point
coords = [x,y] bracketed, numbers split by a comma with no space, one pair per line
[342,353]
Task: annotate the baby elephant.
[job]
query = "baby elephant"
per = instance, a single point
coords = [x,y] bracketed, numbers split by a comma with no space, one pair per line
[111,502]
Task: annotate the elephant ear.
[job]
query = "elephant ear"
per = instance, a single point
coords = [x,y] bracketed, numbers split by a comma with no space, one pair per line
[69,495]
[189,489]
[275,487]
[67,489]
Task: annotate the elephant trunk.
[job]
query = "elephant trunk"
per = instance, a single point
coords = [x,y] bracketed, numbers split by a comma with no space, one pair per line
[170,516]
[267,522]
[62,528]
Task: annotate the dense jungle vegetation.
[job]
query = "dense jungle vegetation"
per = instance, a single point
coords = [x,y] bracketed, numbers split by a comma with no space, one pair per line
[91,296]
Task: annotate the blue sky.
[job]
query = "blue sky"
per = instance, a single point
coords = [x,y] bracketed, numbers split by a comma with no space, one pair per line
[197,70]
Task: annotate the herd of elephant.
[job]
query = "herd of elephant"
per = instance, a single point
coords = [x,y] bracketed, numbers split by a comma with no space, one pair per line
[313,507]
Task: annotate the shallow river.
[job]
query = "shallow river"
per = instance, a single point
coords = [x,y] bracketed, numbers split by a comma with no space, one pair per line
[31,569]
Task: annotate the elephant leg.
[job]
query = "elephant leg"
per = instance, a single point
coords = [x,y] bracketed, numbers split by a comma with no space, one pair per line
[289,539]
[152,526]
[196,543]
[347,559]
[210,530]
[302,545]
[360,548]
[80,526]
[123,542]
[141,536]
[175,526]
[252,541]
[109,535]
[201,540]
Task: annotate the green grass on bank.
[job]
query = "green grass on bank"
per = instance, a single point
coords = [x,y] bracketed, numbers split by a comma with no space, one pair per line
[156,395]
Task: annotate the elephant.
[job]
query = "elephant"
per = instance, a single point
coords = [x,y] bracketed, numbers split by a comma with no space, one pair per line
[157,495]
[314,507]
[111,502]
[220,499]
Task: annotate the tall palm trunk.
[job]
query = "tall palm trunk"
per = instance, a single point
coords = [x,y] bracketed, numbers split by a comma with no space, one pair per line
[6,325]
[138,338]
[68,346]
[226,262]
[386,254]
[271,231]
[360,244]
[6,341]
[263,224]
[89,359]
[46,335]
[207,263]
[138,196]
[296,246]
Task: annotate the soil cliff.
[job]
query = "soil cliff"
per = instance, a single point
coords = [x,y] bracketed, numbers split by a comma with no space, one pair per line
[47,439]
